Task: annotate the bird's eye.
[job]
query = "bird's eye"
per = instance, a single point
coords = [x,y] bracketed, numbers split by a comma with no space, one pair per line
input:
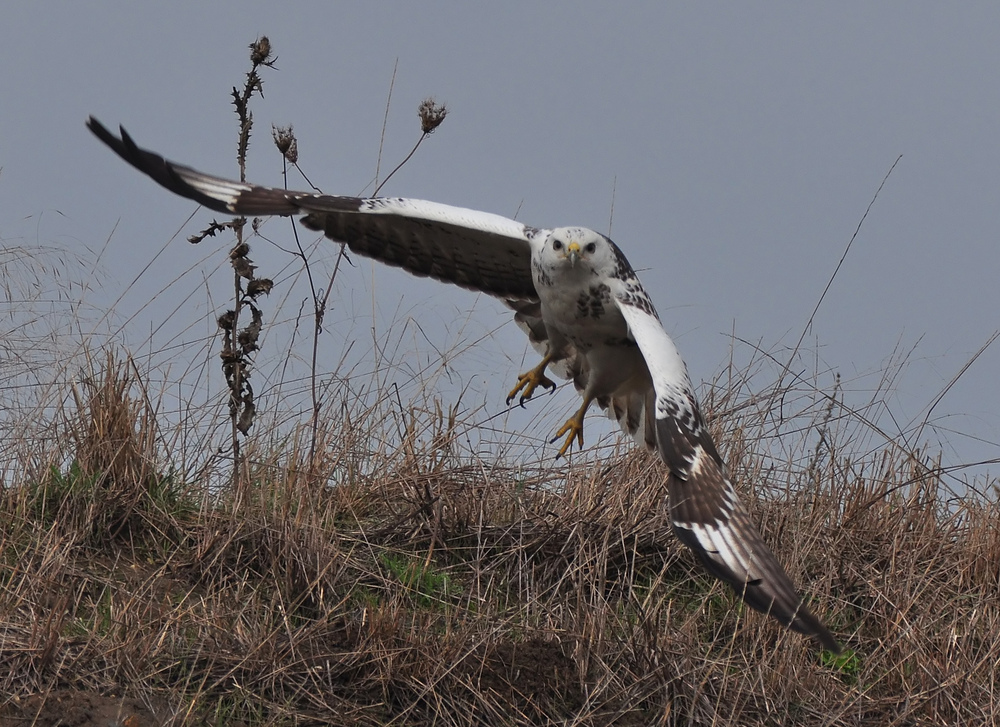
[557,244]
[591,247]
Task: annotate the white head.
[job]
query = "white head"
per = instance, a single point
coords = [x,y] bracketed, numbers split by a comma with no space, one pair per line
[577,251]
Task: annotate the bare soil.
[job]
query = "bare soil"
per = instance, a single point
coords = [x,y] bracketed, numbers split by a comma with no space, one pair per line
[73,708]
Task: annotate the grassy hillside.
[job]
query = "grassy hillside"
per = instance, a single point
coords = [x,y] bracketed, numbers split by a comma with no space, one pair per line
[417,586]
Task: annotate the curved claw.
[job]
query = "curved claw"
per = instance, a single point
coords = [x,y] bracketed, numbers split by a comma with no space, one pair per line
[531,380]
[573,429]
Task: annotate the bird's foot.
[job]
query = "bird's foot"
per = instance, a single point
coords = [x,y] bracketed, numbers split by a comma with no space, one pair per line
[572,429]
[529,381]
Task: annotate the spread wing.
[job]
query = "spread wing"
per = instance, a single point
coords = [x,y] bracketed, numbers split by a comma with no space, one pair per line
[475,250]
[492,254]
[707,515]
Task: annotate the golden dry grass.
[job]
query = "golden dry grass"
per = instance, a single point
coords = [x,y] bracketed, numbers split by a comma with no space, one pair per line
[435,588]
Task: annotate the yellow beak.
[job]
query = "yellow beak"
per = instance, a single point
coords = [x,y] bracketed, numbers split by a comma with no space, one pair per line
[573,252]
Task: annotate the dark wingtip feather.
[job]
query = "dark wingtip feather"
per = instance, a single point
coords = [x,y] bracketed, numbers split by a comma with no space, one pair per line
[773,598]
[800,619]
[708,517]
[805,623]
[151,164]
[102,133]
[776,597]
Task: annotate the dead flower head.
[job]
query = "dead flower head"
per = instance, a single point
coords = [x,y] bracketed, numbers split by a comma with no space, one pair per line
[431,115]
[284,139]
[260,51]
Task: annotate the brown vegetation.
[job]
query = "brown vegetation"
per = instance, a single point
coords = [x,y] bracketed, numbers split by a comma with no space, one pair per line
[415,586]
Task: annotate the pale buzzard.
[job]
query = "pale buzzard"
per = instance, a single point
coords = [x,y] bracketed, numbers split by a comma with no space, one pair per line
[586,312]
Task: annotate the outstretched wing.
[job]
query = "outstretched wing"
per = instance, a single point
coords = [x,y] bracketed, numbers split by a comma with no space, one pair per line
[707,515]
[492,254]
[475,250]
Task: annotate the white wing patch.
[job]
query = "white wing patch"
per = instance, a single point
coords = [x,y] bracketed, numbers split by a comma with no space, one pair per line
[714,532]
[458,216]
[225,195]
[229,193]
[225,191]
[666,367]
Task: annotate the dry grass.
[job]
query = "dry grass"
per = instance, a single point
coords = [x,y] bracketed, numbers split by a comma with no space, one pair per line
[415,584]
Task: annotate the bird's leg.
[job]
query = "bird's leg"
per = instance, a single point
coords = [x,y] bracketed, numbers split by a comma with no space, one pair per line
[531,380]
[573,428]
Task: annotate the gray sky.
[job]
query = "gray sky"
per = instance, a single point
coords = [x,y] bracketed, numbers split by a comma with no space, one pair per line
[743,143]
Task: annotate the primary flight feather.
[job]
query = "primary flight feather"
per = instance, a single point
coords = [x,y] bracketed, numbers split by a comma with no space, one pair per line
[583,308]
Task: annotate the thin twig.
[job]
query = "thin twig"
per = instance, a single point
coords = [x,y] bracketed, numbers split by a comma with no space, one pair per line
[400,165]
[611,215]
[954,380]
[836,270]
[385,123]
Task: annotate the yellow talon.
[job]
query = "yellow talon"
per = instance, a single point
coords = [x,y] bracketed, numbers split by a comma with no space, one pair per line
[573,429]
[531,380]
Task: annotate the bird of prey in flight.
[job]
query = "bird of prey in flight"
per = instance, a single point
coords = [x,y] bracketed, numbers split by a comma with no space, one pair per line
[585,311]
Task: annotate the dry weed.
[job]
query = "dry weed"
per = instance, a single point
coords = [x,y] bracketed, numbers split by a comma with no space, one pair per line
[420,584]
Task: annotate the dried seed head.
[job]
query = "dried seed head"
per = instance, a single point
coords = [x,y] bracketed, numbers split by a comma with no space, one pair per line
[248,340]
[259,286]
[244,268]
[260,51]
[431,115]
[226,320]
[284,139]
[241,250]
